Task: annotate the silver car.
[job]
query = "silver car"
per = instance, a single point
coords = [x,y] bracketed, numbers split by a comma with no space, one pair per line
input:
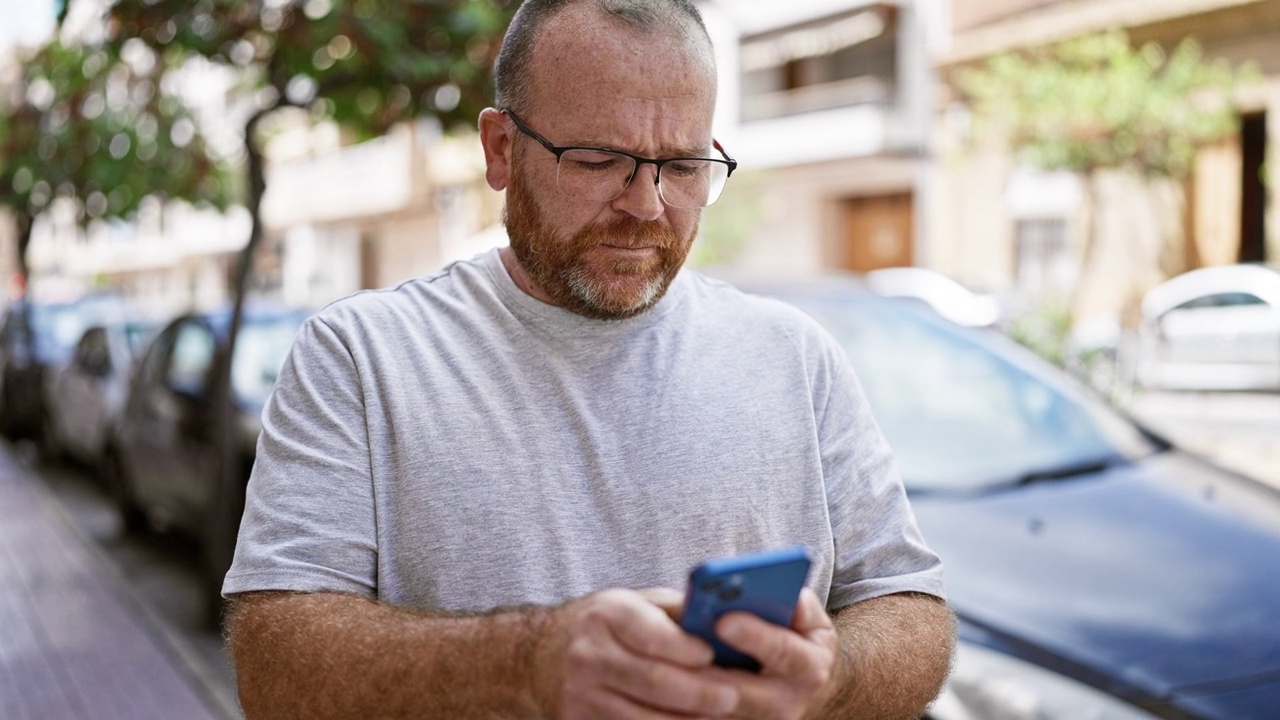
[1216,328]
[84,398]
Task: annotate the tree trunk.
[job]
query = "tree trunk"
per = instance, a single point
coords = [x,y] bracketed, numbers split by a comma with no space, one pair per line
[1091,239]
[25,223]
[227,505]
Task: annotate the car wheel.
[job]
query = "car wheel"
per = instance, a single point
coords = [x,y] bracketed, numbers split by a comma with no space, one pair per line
[116,479]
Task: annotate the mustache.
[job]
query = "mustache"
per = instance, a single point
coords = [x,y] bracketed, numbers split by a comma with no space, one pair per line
[630,233]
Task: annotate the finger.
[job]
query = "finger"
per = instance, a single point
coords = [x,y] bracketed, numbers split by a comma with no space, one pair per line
[670,687]
[813,622]
[780,651]
[670,600]
[619,707]
[647,629]
[810,614]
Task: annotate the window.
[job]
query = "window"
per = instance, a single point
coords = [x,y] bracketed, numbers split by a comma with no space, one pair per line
[1044,267]
[1227,299]
[845,60]
[192,357]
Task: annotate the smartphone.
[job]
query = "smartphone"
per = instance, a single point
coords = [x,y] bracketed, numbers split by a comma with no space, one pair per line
[765,583]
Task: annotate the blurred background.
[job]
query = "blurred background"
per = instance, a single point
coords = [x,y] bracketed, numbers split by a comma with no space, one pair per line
[182,182]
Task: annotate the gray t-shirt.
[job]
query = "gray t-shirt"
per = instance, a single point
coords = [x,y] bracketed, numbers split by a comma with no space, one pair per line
[454,443]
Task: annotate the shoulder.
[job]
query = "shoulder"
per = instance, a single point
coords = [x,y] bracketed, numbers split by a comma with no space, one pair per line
[761,316]
[412,303]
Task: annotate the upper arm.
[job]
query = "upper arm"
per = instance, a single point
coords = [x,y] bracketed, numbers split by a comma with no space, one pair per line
[309,508]
[878,547]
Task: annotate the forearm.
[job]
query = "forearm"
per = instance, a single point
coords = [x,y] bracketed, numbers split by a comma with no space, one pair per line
[895,653]
[327,655]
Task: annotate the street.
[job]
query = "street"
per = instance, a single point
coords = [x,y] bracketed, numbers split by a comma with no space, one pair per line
[1241,431]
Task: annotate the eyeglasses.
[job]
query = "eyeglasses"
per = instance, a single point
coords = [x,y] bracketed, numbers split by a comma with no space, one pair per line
[599,175]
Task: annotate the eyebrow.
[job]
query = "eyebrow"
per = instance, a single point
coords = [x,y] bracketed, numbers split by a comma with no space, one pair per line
[687,151]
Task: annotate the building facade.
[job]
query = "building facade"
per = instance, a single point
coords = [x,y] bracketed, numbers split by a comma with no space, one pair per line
[827,105]
[1015,229]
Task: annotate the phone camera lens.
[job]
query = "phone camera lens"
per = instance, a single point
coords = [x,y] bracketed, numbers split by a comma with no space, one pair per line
[732,593]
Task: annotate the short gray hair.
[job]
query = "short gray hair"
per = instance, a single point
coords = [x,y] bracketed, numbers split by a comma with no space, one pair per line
[511,70]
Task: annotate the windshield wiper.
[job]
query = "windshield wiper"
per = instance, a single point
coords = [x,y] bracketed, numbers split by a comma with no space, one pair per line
[1088,467]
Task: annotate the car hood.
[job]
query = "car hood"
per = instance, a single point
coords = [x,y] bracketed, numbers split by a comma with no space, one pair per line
[1163,575]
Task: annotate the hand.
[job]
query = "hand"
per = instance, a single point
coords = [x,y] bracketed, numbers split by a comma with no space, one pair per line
[797,663]
[618,654]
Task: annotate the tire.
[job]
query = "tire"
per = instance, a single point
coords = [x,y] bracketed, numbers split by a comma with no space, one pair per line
[116,479]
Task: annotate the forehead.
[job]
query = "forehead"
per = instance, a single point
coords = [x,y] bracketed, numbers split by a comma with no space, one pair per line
[594,80]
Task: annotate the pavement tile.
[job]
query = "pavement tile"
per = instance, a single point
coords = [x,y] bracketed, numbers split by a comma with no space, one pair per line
[72,643]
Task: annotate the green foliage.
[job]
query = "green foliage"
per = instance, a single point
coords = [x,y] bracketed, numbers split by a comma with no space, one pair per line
[730,221]
[1044,330]
[367,64]
[1098,102]
[87,126]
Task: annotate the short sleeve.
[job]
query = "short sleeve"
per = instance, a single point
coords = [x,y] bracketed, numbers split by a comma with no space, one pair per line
[878,548]
[309,521]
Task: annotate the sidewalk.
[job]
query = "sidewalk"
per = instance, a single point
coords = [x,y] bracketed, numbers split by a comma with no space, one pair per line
[75,643]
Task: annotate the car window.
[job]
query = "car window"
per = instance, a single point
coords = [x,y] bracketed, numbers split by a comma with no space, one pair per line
[260,351]
[960,415]
[191,359]
[1217,300]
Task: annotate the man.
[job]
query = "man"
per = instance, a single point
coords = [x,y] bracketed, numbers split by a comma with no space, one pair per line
[476,492]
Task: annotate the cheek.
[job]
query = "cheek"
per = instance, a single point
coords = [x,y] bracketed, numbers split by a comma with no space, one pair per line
[684,222]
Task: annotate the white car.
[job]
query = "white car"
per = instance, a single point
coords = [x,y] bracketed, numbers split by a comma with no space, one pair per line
[1215,328]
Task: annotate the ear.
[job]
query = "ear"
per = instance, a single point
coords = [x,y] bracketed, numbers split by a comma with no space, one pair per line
[495,137]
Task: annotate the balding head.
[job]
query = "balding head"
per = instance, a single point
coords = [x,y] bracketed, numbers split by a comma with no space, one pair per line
[675,22]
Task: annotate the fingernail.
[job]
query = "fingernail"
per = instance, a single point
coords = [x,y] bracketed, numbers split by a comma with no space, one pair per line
[726,701]
[731,630]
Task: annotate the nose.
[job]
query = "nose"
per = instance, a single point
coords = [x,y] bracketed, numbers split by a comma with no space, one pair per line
[641,199]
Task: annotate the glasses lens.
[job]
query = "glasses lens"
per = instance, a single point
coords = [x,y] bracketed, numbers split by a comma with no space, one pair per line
[600,176]
[692,183]
[594,175]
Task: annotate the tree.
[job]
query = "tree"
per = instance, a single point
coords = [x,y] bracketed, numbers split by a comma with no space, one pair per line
[365,64]
[93,130]
[1097,103]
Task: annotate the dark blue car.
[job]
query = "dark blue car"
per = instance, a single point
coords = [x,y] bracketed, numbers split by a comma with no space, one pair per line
[1097,571]
[167,458]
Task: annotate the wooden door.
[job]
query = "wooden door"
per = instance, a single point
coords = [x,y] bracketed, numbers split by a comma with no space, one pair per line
[878,233]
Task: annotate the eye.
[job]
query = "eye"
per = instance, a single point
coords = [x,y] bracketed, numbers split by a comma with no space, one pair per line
[684,168]
[593,161]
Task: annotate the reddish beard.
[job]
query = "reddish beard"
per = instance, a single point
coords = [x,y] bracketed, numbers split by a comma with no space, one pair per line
[582,276]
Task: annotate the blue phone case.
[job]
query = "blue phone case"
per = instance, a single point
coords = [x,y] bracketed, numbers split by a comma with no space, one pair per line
[766,583]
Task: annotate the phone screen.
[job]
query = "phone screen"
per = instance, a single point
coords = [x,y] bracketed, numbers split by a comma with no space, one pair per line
[766,584]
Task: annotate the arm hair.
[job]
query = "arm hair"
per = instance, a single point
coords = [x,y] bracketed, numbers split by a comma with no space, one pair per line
[895,654]
[330,655]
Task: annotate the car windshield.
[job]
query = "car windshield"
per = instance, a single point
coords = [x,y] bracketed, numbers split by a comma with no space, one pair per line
[260,351]
[962,413]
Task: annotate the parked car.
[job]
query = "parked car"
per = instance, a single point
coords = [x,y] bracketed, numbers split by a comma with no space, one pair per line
[1215,328]
[85,396]
[165,463]
[37,338]
[1097,571]
[944,295]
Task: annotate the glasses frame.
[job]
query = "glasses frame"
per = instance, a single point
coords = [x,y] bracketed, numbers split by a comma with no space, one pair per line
[657,163]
